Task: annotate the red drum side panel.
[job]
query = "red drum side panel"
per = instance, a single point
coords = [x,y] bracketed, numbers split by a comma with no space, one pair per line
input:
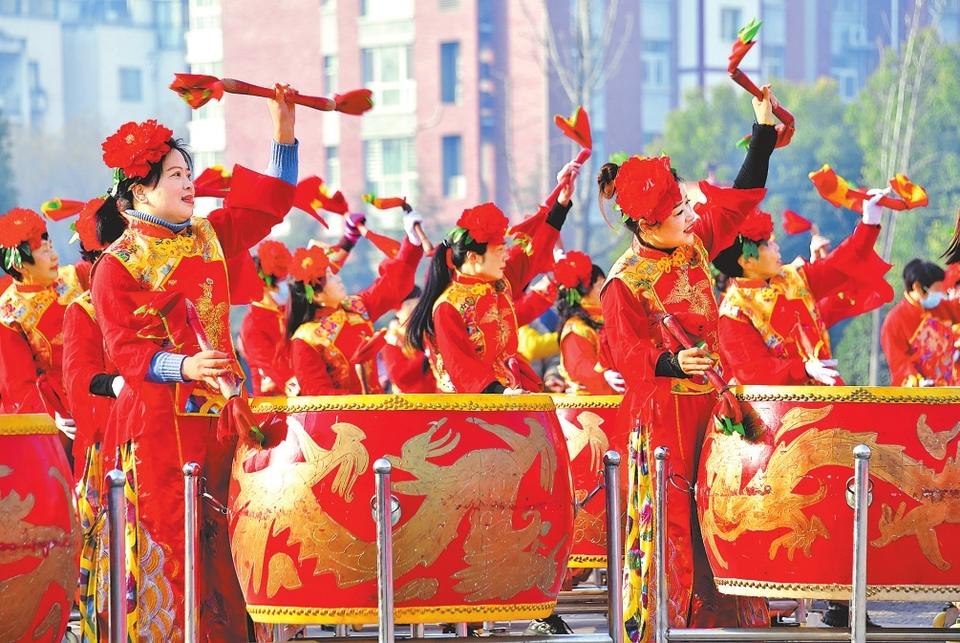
[775,515]
[483,517]
[39,531]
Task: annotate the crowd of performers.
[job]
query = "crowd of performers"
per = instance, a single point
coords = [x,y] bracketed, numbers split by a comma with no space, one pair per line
[132,351]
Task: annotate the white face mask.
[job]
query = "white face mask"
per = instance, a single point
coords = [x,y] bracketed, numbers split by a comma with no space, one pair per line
[932,300]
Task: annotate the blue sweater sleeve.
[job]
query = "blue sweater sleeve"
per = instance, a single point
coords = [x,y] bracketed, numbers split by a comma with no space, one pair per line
[284,162]
[166,368]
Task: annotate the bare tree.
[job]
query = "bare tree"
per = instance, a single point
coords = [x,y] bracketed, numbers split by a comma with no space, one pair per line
[583,56]
[896,138]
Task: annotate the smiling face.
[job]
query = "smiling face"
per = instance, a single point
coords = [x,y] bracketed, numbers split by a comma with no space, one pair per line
[43,270]
[171,199]
[674,231]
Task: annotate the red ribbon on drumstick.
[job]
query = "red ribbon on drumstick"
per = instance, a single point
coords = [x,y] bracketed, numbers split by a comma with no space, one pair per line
[728,415]
[837,191]
[236,417]
[577,129]
[198,89]
[746,39]
[389,202]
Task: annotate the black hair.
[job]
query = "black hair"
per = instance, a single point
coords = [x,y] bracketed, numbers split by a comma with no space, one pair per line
[110,221]
[420,323]
[26,256]
[413,294]
[606,181]
[572,307]
[302,308]
[952,255]
[925,273]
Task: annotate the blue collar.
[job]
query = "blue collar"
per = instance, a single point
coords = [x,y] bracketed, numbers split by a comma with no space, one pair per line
[149,218]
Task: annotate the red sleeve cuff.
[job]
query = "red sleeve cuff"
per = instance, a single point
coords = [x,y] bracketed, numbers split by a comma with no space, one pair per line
[254,191]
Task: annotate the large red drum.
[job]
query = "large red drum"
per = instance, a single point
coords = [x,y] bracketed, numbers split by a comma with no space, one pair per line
[39,531]
[776,515]
[483,511]
[590,428]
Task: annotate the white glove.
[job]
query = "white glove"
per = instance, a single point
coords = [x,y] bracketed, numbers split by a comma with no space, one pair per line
[821,373]
[117,385]
[572,169]
[615,380]
[925,383]
[292,387]
[872,212]
[66,425]
[513,391]
[559,253]
[411,219]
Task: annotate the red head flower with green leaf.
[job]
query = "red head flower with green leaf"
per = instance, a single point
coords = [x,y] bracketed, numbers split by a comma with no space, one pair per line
[133,147]
[309,265]
[573,270]
[484,223]
[646,189]
[275,260]
[19,225]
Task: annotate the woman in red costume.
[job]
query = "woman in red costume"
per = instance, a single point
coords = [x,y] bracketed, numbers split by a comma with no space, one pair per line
[407,368]
[773,324]
[31,319]
[263,337]
[666,271]
[166,413]
[92,382]
[327,326]
[466,320]
[921,334]
[584,358]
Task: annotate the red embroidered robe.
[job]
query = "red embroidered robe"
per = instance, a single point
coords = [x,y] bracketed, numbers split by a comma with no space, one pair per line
[769,329]
[31,343]
[321,349]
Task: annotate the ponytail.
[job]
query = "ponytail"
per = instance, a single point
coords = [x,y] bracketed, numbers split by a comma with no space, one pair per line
[110,221]
[302,310]
[448,257]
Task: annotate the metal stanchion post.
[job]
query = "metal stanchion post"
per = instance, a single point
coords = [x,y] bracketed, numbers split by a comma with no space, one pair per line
[382,470]
[861,490]
[191,493]
[117,525]
[662,609]
[462,630]
[341,631]
[611,481]
[416,631]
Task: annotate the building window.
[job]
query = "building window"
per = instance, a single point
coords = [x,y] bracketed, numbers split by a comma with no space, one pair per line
[450,90]
[655,67]
[130,84]
[331,173]
[388,73]
[390,167]
[330,74]
[454,183]
[730,23]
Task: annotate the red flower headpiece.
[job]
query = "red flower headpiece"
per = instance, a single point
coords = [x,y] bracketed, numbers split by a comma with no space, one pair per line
[19,225]
[274,259]
[309,265]
[86,225]
[646,189]
[484,223]
[573,270]
[16,226]
[133,147]
[757,227]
